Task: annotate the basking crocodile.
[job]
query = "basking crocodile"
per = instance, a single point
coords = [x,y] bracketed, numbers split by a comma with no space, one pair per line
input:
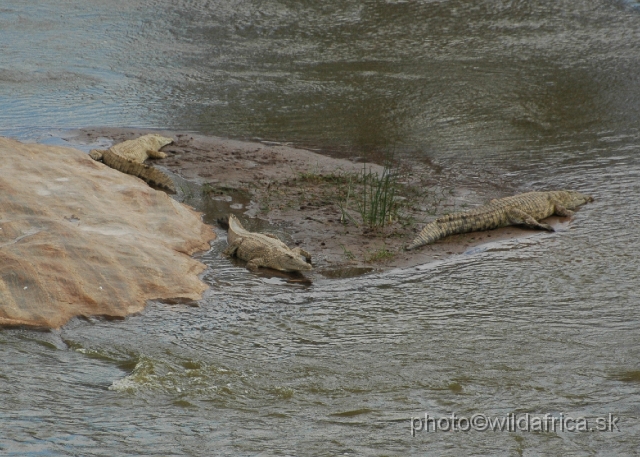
[524,209]
[128,157]
[145,172]
[264,250]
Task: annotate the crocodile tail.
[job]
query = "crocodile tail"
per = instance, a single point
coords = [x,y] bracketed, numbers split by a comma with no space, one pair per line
[439,229]
[430,233]
[145,172]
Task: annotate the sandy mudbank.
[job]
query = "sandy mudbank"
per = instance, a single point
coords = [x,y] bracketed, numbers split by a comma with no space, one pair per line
[80,239]
[299,193]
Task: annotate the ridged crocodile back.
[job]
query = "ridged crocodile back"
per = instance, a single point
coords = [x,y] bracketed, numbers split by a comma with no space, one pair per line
[495,214]
[149,174]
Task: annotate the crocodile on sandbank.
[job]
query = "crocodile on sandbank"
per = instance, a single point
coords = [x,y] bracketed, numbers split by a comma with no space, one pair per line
[264,250]
[128,157]
[524,209]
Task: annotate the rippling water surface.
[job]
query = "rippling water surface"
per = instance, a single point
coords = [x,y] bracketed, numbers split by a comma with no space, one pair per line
[548,91]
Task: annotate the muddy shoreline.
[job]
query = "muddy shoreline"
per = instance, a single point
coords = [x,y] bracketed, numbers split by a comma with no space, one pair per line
[297,194]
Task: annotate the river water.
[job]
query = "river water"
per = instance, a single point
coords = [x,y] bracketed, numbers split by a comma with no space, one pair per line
[547,92]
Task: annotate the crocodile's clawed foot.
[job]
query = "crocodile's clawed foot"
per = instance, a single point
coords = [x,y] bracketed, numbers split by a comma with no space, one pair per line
[96,154]
[156,154]
[562,211]
[255,264]
[232,248]
[303,253]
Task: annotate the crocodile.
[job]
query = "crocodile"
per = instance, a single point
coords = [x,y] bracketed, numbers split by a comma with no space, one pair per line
[147,173]
[526,209]
[264,250]
[128,157]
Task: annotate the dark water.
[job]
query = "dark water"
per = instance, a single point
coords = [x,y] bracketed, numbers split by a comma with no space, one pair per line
[547,92]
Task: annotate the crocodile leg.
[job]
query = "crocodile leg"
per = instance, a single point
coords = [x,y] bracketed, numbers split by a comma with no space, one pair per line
[232,248]
[156,154]
[519,217]
[561,210]
[254,264]
[303,253]
[96,154]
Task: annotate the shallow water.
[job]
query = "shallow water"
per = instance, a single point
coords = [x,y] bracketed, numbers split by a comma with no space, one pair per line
[544,94]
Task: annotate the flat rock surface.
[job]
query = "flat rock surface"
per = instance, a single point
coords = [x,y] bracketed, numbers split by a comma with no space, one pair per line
[80,239]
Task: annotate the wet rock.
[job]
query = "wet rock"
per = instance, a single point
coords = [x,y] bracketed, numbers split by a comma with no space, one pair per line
[78,238]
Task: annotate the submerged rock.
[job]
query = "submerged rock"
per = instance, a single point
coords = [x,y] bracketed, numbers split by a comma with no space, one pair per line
[78,238]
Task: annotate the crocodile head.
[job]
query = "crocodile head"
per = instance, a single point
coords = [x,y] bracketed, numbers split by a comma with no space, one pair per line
[156,142]
[289,261]
[572,199]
